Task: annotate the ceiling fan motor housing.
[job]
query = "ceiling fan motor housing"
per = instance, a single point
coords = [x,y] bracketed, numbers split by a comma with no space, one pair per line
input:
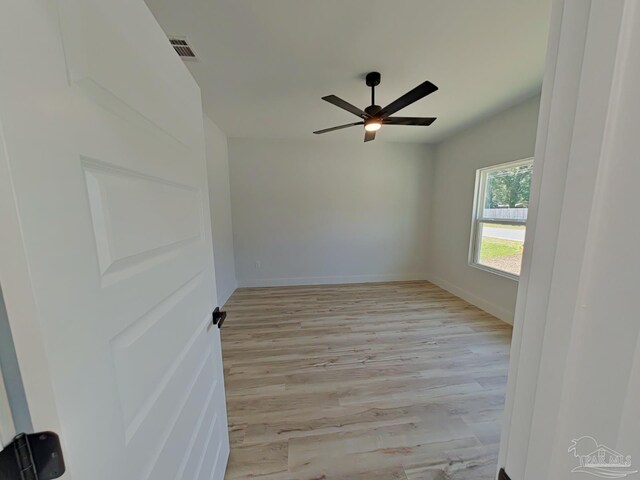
[373,79]
[373,110]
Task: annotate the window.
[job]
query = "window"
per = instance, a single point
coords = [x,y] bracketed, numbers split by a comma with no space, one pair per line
[500,217]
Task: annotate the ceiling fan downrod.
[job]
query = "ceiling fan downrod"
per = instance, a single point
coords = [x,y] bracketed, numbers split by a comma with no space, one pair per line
[373,80]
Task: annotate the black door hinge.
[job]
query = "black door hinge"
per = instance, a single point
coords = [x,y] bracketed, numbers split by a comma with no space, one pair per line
[35,456]
[218,317]
[502,475]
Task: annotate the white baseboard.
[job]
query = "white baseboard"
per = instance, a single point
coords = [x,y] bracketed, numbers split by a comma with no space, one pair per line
[495,310]
[286,282]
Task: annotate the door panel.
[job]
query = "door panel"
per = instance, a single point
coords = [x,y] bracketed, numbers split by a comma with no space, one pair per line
[105,148]
[139,219]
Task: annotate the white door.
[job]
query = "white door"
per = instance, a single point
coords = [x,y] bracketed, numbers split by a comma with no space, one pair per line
[106,261]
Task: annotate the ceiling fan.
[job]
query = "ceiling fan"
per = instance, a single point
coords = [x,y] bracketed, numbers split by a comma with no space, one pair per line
[374,116]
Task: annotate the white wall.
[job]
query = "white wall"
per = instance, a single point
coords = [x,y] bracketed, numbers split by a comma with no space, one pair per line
[506,136]
[220,206]
[308,212]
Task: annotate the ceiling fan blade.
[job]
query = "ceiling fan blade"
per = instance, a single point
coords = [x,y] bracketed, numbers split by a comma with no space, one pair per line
[418,121]
[368,136]
[408,98]
[338,102]
[326,130]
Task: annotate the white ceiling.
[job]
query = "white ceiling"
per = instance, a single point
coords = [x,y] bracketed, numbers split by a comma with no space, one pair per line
[264,64]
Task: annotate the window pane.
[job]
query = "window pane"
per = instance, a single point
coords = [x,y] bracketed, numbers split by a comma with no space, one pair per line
[507,193]
[501,246]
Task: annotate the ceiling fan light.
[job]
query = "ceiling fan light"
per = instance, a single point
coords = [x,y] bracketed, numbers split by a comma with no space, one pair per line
[373,126]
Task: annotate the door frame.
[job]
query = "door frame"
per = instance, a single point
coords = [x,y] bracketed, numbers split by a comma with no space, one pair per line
[7,428]
[572,130]
[22,311]
[541,237]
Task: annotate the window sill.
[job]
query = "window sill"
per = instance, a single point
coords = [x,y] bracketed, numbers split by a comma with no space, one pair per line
[495,271]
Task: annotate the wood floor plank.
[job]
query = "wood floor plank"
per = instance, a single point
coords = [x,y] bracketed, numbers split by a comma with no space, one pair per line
[378,381]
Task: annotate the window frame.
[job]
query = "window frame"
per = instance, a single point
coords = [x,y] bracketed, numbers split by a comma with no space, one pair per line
[478,219]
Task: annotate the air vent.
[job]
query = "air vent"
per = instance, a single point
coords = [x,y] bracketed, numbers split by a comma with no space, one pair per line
[182,48]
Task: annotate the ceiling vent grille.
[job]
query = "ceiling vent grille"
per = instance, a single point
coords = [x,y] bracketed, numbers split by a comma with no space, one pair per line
[182,48]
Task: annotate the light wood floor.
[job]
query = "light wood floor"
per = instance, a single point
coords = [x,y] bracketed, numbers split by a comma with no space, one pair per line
[387,381]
